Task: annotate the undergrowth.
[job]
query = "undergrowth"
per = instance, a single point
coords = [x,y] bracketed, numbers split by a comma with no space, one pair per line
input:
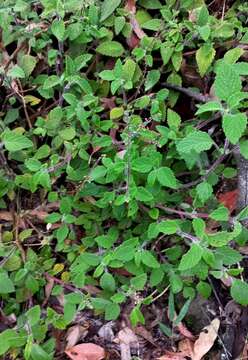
[119,124]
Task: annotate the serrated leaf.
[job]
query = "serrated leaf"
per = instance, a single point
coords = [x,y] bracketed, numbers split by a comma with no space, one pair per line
[116,113]
[234,126]
[168,227]
[16,142]
[209,106]
[231,56]
[204,191]
[138,282]
[197,141]
[153,77]
[227,81]
[191,258]
[110,48]
[107,282]
[108,7]
[239,292]
[16,72]
[167,178]
[153,25]
[204,58]
[58,29]
[166,53]
[220,214]
[143,194]
[27,63]
[173,119]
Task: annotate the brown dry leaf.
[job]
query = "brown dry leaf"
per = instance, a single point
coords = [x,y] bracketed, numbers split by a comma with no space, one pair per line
[127,339]
[74,334]
[87,351]
[185,332]
[206,339]
[185,346]
[143,332]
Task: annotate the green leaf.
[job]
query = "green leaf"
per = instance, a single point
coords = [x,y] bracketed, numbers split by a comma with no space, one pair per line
[6,285]
[16,72]
[209,106]
[136,316]
[107,282]
[228,255]
[191,258]
[110,48]
[227,82]
[167,178]
[220,214]
[173,119]
[119,24]
[197,141]
[153,77]
[204,57]
[58,29]
[153,25]
[51,81]
[67,133]
[182,312]
[168,227]
[37,353]
[143,194]
[239,292]
[204,289]
[149,259]
[142,164]
[116,113]
[138,282]
[231,56]
[112,311]
[15,142]
[28,63]
[234,126]
[108,7]
[166,53]
[204,191]
[33,315]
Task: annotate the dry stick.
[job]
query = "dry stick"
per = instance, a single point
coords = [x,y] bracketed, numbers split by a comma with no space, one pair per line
[210,170]
[182,213]
[188,92]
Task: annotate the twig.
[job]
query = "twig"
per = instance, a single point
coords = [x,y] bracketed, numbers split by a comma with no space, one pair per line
[182,213]
[190,237]
[17,241]
[159,295]
[210,170]
[188,92]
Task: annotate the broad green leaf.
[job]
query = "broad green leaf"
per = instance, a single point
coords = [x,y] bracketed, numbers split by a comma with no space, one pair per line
[107,282]
[168,227]
[209,106]
[197,141]
[67,133]
[143,194]
[220,214]
[204,58]
[112,311]
[167,178]
[173,119]
[166,53]
[58,29]
[228,255]
[138,282]
[110,48]
[108,7]
[241,68]
[116,113]
[142,164]
[153,24]
[149,259]
[204,289]
[28,63]
[6,285]
[136,316]
[16,72]
[33,315]
[16,142]
[239,292]
[234,126]
[51,81]
[227,81]
[153,77]
[147,4]
[191,258]
[204,191]
[231,56]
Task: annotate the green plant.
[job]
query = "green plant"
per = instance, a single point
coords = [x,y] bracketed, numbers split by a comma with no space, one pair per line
[94,150]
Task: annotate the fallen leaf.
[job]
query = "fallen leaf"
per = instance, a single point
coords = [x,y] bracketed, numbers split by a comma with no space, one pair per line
[74,334]
[127,340]
[87,351]
[206,340]
[185,332]
[143,332]
[229,199]
[106,331]
[172,356]
[185,346]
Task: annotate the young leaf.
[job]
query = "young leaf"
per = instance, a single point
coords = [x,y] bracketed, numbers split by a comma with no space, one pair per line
[58,29]
[239,292]
[227,82]
[149,259]
[204,57]
[153,77]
